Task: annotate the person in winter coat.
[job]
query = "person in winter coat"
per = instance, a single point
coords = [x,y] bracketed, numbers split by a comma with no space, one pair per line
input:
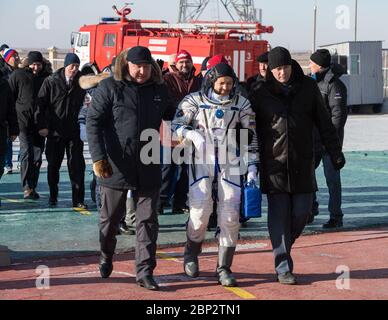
[259,78]
[25,84]
[209,119]
[8,121]
[287,107]
[123,107]
[59,102]
[174,177]
[9,62]
[334,95]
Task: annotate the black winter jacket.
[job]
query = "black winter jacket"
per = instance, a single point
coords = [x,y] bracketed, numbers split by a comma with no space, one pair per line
[59,105]
[25,87]
[334,94]
[8,120]
[120,111]
[285,117]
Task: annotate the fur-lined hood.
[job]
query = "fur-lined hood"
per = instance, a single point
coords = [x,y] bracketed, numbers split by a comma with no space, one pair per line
[91,81]
[121,69]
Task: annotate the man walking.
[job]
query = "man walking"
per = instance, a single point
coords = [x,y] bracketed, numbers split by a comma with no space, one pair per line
[334,95]
[123,106]
[287,107]
[25,85]
[59,102]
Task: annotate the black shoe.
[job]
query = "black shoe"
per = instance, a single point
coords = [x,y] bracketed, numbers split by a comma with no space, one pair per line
[81,206]
[106,268]
[124,229]
[148,283]
[333,223]
[35,195]
[180,209]
[287,278]
[28,194]
[53,202]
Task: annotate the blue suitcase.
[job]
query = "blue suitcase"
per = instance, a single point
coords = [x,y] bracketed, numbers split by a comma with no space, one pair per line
[252,201]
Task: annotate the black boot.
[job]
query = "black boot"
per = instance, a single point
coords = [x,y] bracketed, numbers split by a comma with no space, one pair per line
[225,260]
[333,223]
[191,264]
[106,267]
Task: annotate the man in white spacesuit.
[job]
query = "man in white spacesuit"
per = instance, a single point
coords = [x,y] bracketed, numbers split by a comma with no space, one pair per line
[208,120]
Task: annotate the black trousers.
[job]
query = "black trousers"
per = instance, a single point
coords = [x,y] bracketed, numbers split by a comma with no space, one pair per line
[287,217]
[31,150]
[55,152]
[113,208]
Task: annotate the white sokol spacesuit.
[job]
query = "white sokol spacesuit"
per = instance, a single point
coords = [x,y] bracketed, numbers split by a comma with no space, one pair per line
[210,121]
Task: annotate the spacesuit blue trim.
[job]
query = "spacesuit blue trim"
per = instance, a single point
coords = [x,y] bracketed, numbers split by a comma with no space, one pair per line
[205,177]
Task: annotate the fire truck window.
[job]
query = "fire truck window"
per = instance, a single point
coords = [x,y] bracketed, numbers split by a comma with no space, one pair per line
[110,40]
[83,40]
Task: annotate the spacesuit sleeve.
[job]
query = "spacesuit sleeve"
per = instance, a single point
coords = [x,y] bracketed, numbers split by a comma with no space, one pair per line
[248,121]
[184,116]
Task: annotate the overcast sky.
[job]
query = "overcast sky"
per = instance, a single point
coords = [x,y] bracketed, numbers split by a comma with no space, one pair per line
[292,20]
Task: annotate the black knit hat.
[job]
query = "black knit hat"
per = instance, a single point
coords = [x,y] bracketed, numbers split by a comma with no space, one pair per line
[321,57]
[204,64]
[71,58]
[278,57]
[263,58]
[35,56]
[223,70]
[139,55]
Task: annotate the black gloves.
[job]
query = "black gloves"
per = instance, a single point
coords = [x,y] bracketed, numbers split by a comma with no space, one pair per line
[339,162]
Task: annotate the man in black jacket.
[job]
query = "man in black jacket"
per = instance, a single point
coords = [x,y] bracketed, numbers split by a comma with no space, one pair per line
[8,121]
[59,102]
[123,107]
[25,85]
[259,78]
[287,107]
[334,94]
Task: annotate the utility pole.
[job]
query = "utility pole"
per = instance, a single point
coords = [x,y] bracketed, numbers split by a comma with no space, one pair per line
[355,21]
[315,30]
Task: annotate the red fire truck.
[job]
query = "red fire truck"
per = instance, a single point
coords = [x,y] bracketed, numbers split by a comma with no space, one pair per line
[239,42]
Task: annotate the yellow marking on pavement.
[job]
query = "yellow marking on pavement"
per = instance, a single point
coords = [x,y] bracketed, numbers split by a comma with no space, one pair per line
[241,293]
[165,256]
[17,200]
[83,211]
[237,291]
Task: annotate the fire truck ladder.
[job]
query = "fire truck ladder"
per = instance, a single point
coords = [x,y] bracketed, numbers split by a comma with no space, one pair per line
[190,10]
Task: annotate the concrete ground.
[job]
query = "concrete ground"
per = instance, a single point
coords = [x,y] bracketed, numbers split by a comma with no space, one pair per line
[69,239]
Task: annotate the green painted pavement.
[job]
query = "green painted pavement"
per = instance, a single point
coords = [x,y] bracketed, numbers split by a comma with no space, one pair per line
[32,230]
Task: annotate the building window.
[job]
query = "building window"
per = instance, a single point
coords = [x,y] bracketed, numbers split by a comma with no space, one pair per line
[110,40]
[354,64]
